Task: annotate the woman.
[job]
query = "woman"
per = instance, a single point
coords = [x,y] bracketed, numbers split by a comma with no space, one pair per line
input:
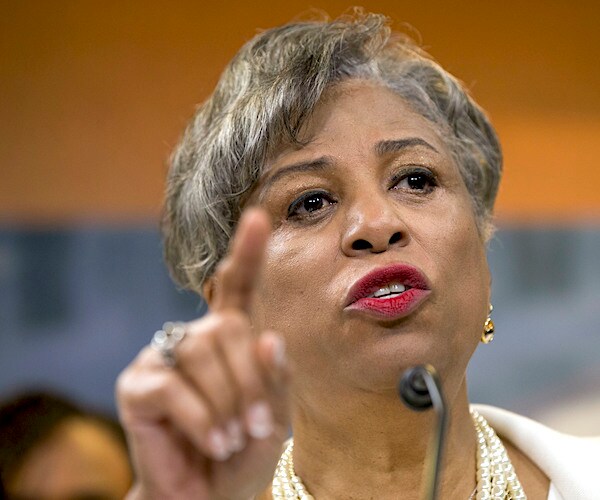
[361,178]
[51,448]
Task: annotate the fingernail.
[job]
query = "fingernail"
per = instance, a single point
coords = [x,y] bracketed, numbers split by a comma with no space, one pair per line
[218,444]
[237,441]
[260,420]
[279,352]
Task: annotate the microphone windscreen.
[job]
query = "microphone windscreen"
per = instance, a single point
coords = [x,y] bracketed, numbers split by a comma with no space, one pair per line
[413,389]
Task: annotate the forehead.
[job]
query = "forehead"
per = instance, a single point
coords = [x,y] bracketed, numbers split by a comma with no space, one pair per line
[354,115]
[85,458]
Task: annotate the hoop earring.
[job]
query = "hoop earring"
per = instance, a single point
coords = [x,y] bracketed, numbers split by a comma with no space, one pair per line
[488,328]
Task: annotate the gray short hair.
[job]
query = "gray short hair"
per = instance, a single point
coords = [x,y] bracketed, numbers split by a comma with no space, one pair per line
[265,95]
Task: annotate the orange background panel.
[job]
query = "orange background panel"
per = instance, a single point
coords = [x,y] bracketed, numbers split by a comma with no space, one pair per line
[551,170]
[94,94]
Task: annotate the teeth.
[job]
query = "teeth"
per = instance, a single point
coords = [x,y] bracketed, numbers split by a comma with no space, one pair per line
[397,288]
[383,291]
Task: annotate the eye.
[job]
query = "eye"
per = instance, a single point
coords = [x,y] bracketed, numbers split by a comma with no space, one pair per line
[420,180]
[309,203]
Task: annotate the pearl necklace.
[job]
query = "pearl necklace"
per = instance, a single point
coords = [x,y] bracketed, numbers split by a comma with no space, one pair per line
[496,477]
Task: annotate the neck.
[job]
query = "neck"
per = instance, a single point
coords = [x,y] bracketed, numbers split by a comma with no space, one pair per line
[356,444]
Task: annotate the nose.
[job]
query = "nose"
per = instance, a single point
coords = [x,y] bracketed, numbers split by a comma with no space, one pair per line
[374,225]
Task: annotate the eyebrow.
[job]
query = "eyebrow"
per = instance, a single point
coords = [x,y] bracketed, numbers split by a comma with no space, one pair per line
[322,163]
[396,145]
[317,165]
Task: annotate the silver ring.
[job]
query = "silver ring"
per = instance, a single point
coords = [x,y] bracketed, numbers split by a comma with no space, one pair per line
[166,340]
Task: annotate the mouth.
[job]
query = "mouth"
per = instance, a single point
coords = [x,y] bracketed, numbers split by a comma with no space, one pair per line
[391,292]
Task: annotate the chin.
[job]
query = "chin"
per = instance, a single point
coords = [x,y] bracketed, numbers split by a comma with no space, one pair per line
[383,363]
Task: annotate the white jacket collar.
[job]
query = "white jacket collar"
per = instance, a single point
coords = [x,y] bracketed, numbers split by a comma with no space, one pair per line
[572,463]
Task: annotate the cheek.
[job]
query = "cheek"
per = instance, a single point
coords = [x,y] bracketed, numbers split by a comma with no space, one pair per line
[290,297]
[472,257]
[474,280]
[458,245]
[466,272]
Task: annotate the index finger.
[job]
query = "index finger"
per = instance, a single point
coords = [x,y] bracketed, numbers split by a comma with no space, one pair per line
[237,273]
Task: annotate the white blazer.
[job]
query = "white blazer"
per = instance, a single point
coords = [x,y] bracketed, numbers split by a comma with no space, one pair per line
[572,463]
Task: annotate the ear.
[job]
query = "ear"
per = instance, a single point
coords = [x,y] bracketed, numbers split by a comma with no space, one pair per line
[208,290]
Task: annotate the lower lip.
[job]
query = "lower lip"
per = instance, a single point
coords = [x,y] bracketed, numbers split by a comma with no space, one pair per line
[392,307]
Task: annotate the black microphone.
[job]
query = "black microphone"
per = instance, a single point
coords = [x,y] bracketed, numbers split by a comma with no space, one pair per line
[420,389]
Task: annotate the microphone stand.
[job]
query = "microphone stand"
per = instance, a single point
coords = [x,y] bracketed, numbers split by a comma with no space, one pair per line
[420,389]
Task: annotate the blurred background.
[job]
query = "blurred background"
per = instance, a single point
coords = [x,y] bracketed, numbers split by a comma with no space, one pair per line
[94,94]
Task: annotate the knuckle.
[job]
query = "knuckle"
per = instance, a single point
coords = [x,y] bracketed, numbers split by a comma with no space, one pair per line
[152,389]
[157,388]
[236,323]
[148,389]
[230,324]
[217,322]
[128,380]
[251,386]
[141,395]
[123,385]
[195,351]
[201,418]
[224,402]
[234,320]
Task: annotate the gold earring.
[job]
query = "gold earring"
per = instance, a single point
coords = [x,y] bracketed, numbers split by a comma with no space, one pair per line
[488,328]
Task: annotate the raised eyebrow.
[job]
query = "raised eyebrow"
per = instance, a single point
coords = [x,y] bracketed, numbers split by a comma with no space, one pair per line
[316,165]
[396,145]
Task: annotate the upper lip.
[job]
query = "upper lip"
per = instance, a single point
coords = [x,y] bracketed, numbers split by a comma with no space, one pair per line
[403,274]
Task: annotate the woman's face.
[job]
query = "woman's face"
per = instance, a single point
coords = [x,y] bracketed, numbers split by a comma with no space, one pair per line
[374,200]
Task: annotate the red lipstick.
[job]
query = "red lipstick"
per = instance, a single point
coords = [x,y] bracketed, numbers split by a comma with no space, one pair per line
[389,303]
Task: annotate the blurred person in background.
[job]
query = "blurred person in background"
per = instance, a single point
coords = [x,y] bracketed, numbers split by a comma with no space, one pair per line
[50,449]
